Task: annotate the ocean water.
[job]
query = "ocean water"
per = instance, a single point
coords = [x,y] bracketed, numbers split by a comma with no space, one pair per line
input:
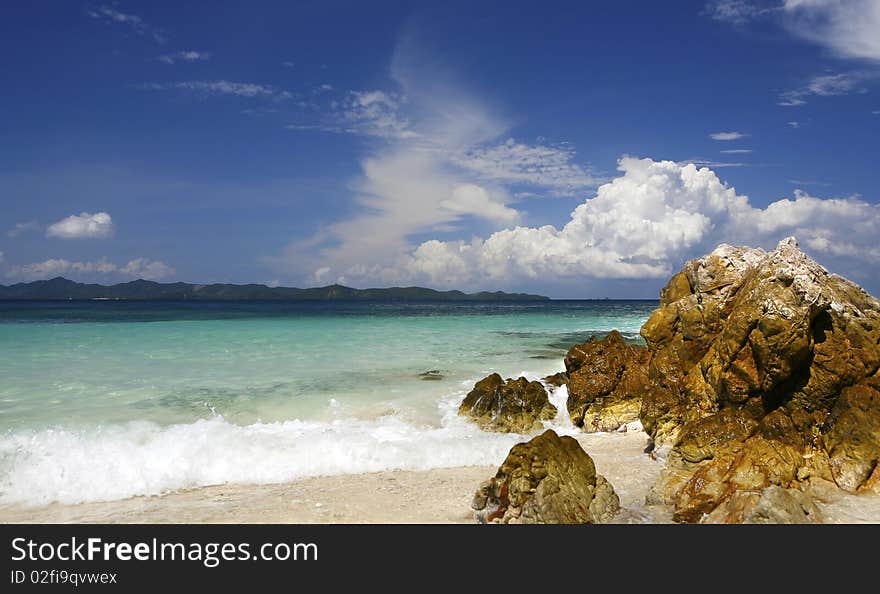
[105,400]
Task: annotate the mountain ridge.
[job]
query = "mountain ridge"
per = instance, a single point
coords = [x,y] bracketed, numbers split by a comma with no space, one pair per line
[60,288]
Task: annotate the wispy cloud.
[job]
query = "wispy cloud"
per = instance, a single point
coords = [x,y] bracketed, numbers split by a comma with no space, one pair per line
[727,135]
[739,12]
[110,15]
[22,228]
[794,124]
[184,56]
[827,85]
[712,163]
[439,158]
[736,151]
[221,87]
[550,167]
[850,29]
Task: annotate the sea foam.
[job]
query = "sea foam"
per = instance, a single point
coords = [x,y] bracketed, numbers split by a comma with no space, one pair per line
[143,458]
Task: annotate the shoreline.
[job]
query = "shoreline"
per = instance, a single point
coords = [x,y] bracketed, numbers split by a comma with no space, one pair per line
[440,495]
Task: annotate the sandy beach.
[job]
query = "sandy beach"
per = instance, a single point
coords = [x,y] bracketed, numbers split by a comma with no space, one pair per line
[440,495]
[437,496]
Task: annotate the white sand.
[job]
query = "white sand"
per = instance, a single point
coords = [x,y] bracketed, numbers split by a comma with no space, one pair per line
[441,495]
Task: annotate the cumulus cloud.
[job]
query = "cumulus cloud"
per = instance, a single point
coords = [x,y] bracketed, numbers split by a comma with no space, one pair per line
[137,268]
[727,135]
[184,56]
[644,224]
[82,226]
[22,228]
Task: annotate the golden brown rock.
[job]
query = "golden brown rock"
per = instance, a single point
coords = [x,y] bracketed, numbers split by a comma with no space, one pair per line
[548,480]
[606,381]
[512,406]
[773,505]
[763,371]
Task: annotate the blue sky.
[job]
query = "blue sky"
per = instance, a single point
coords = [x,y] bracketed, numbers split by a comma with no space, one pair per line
[574,149]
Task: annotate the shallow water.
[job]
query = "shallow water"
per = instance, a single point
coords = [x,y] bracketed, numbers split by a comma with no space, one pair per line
[105,400]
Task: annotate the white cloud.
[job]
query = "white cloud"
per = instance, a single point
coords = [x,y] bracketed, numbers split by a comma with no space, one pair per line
[137,268]
[375,113]
[539,165]
[727,135]
[82,226]
[711,163]
[849,28]
[185,56]
[826,85]
[21,228]
[111,15]
[738,12]
[794,124]
[644,224]
[736,151]
[221,87]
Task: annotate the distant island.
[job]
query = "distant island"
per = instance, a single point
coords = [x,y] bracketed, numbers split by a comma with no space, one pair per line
[60,288]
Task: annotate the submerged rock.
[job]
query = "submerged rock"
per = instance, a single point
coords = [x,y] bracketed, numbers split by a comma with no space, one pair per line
[512,406]
[548,480]
[606,381]
[763,371]
[432,375]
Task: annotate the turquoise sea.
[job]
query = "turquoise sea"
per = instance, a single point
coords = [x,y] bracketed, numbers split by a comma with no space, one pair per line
[109,399]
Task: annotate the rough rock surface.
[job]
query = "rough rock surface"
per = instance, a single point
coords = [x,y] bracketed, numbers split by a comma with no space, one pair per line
[512,406]
[606,381]
[773,505]
[557,379]
[548,480]
[764,371]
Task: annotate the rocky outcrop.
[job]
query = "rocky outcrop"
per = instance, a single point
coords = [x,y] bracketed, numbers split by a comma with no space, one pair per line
[512,406]
[548,480]
[773,505]
[557,379]
[606,381]
[763,371]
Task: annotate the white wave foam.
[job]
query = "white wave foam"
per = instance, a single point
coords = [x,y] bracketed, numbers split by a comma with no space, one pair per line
[142,458]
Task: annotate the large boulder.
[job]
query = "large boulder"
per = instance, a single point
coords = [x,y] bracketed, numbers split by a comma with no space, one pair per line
[512,406]
[548,480]
[606,381]
[764,371]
